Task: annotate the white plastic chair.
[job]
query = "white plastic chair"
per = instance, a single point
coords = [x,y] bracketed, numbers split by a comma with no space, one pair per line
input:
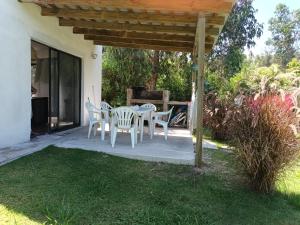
[134,107]
[124,118]
[95,118]
[106,109]
[148,116]
[158,119]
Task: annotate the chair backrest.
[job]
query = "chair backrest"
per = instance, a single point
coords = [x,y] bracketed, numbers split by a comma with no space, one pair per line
[106,109]
[170,113]
[134,107]
[105,106]
[149,106]
[91,111]
[123,116]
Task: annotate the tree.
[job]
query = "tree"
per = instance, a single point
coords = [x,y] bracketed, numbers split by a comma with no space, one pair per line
[151,83]
[284,26]
[239,32]
[123,68]
[175,75]
[294,66]
[265,59]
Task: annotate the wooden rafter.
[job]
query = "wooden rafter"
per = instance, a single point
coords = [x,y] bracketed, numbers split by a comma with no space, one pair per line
[138,23]
[136,35]
[139,41]
[130,27]
[130,16]
[217,6]
[184,30]
[143,46]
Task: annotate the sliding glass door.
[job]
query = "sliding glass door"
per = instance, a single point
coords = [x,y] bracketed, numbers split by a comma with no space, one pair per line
[65,77]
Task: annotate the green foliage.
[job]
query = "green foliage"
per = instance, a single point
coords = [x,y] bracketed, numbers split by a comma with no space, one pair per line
[239,32]
[266,79]
[265,59]
[218,84]
[284,27]
[294,66]
[175,75]
[253,79]
[123,68]
[230,87]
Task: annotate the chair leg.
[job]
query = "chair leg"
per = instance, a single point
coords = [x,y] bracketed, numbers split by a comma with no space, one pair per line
[151,129]
[137,126]
[135,137]
[90,130]
[95,129]
[135,132]
[111,134]
[132,134]
[103,130]
[111,128]
[166,132]
[142,129]
[114,137]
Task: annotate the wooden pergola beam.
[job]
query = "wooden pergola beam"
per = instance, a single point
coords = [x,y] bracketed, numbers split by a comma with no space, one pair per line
[139,41]
[129,16]
[183,30]
[138,35]
[129,27]
[144,46]
[220,6]
[143,42]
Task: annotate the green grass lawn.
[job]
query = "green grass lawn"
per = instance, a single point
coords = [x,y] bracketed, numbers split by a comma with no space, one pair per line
[59,186]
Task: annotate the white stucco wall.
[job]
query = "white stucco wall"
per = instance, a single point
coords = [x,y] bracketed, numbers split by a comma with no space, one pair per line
[19,24]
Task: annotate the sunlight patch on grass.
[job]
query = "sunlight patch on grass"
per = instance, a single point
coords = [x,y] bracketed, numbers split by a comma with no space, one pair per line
[289,184]
[207,136]
[8,216]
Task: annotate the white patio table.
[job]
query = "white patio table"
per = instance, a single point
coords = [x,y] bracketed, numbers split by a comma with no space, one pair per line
[142,112]
[139,121]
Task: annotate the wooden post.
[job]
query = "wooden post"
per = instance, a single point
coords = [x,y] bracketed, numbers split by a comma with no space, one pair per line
[188,121]
[194,76]
[193,100]
[129,96]
[166,98]
[200,43]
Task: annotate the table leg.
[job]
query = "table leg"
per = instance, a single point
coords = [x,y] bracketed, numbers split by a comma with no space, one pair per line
[141,128]
[136,125]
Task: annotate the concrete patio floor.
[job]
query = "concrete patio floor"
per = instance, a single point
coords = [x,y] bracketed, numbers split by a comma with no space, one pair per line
[178,149]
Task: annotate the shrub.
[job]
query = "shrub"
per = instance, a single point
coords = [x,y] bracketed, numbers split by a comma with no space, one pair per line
[216,112]
[265,143]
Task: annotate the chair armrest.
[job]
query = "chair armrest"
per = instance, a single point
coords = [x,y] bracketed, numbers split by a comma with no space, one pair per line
[96,111]
[100,113]
[160,113]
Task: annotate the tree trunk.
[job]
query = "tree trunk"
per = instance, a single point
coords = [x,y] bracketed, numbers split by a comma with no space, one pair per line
[151,84]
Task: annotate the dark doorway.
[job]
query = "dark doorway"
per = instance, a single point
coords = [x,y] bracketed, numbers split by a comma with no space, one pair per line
[65,90]
[39,88]
[55,89]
